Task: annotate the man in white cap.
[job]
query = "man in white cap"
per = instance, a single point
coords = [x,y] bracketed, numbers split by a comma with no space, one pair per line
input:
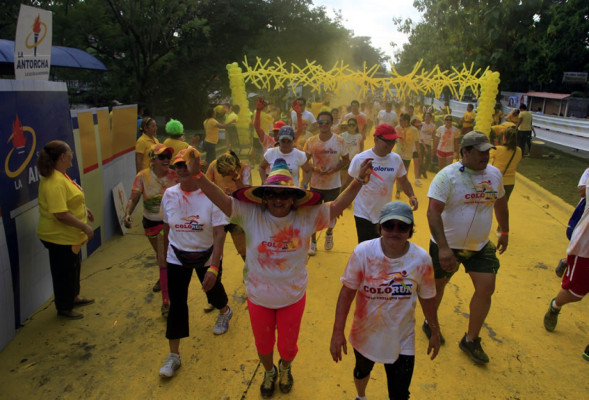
[462,198]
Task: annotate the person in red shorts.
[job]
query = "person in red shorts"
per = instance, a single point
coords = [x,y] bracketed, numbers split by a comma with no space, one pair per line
[575,282]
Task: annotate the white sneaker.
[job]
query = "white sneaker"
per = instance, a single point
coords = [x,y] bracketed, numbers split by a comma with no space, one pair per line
[329,241]
[222,324]
[171,365]
[418,182]
[312,248]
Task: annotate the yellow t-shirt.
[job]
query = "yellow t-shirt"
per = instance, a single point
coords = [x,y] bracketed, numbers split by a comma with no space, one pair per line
[143,146]
[526,121]
[468,119]
[499,158]
[58,194]
[211,130]
[176,144]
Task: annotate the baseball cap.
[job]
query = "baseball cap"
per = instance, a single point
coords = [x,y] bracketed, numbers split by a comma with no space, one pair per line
[286,132]
[386,132]
[160,148]
[184,155]
[278,125]
[478,140]
[396,210]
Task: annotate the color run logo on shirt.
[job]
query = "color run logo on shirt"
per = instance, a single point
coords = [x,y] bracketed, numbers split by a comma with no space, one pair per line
[191,224]
[380,168]
[395,287]
[484,192]
[279,245]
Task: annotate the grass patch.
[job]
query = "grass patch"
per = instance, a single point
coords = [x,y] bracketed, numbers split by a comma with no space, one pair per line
[559,174]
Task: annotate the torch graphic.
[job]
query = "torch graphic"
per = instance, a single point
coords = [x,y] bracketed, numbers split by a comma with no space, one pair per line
[36,31]
[18,137]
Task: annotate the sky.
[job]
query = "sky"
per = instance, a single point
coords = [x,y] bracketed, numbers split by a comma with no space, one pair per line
[374,18]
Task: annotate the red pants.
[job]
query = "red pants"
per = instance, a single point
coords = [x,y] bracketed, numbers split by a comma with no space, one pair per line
[286,320]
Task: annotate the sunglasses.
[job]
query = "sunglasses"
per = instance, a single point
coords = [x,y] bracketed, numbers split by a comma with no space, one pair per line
[180,165]
[282,195]
[352,125]
[323,122]
[396,225]
[162,157]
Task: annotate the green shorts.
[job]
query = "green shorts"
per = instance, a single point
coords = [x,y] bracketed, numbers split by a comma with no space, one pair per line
[485,260]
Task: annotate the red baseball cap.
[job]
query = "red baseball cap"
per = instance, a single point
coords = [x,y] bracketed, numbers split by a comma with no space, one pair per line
[277,125]
[386,132]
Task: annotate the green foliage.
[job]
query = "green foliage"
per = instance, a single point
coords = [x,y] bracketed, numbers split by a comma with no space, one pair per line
[529,42]
[171,54]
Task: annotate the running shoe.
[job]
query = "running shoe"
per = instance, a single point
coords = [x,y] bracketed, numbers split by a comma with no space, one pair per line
[586,353]
[171,365]
[474,350]
[551,318]
[222,324]
[157,287]
[208,308]
[69,314]
[285,379]
[328,241]
[312,248]
[267,387]
[418,182]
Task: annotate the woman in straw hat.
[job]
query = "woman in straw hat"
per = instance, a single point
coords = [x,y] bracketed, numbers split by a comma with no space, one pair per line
[151,183]
[278,219]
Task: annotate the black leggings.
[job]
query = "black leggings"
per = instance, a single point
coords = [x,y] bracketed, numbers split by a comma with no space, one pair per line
[178,280]
[365,229]
[399,374]
[65,273]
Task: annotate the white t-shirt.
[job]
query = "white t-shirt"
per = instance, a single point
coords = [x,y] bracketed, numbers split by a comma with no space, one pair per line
[385,117]
[579,245]
[191,217]
[326,155]
[376,193]
[447,137]
[294,160]
[427,133]
[308,115]
[352,143]
[275,271]
[387,290]
[469,198]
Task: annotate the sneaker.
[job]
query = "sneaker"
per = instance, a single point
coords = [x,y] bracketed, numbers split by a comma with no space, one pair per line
[165,310]
[285,379]
[157,287]
[428,332]
[223,322]
[267,388]
[208,308]
[171,365]
[474,350]
[586,353]
[398,195]
[418,182]
[312,248]
[551,318]
[561,267]
[329,241]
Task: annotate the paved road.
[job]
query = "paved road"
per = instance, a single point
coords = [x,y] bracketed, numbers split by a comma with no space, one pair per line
[115,352]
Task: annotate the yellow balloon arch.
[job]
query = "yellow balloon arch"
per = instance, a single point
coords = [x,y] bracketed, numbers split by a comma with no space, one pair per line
[268,75]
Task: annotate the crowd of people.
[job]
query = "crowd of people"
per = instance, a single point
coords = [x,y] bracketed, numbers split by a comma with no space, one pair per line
[314,166]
